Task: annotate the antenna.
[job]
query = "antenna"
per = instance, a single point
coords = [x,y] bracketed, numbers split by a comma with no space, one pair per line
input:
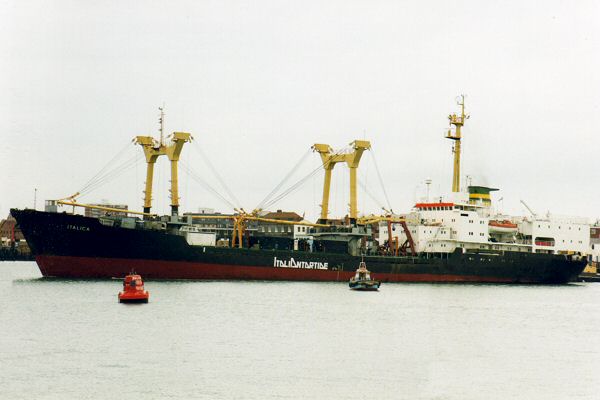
[458,121]
[34,198]
[428,183]
[161,121]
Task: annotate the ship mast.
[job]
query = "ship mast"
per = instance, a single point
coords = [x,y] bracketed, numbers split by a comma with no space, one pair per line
[161,121]
[458,122]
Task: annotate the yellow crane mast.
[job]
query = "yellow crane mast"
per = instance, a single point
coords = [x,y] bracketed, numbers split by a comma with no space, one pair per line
[458,121]
[329,159]
[154,149]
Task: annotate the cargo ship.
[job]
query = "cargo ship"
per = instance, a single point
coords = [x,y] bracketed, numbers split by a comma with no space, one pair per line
[73,246]
[452,240]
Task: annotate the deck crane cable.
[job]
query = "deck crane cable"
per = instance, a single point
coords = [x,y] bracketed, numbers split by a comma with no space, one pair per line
[108,164]
[290,190]
[299,183]
[214,171]
[198,178]
[107,178]
[381,180]
[284,180]
[368,193]
[118,170]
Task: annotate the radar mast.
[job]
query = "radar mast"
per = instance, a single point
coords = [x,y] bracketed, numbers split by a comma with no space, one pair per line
[458,121]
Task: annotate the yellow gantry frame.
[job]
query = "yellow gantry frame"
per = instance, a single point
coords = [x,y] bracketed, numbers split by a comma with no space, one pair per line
[458,122]
[153,150]
[329,159]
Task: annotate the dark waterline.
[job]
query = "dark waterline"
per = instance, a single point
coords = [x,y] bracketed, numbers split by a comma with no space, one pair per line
[291,340]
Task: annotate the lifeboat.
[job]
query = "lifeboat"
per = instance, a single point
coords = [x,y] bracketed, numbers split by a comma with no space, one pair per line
[133,290]
[502,227]
[362,279]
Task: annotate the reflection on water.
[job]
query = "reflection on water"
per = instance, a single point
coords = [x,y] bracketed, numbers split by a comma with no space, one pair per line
[294,340]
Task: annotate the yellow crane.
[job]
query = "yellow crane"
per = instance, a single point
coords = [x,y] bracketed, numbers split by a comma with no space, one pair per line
[154,149]
[329,159]
[458,121]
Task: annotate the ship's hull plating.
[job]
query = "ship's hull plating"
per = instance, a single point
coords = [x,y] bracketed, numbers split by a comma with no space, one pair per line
[72,246]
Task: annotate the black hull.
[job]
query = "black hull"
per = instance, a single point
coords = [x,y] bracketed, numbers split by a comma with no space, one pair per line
[73,246]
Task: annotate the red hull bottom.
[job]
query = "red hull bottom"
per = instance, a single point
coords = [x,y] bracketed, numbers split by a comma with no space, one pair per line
[88,267]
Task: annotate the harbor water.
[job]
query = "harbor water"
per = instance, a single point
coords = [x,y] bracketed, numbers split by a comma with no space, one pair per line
[62,339]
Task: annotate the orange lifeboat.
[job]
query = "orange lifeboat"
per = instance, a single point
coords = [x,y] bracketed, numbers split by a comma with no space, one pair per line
[502,226]
[133,290]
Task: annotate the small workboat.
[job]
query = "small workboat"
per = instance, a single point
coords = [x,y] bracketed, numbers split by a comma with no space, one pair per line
[133,290]
[362,279]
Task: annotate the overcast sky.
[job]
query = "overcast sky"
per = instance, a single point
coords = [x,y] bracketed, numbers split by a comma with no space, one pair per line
[258,82]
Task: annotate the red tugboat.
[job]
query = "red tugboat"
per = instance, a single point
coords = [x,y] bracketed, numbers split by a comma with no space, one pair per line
[133,290]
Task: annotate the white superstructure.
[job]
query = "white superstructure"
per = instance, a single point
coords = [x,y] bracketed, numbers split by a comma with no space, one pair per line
[557,234]
[460,222]
[465,219]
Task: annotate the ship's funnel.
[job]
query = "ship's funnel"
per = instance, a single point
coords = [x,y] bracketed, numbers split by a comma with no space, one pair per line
[480,195]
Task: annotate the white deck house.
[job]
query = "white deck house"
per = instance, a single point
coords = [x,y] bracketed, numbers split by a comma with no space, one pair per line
[443,226]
